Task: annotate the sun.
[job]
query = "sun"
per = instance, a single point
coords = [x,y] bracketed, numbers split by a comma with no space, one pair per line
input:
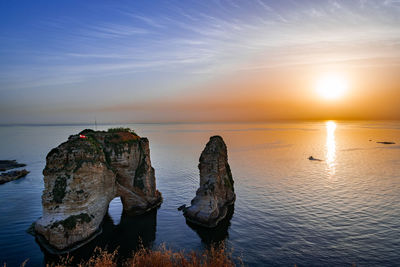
[332,86]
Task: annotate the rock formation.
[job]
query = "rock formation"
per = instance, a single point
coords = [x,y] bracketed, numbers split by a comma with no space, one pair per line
[81,178]
[6,165]
[216,192]
[12,175]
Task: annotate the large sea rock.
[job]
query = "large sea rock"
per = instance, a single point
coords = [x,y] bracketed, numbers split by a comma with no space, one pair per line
[216,192]
[81,178]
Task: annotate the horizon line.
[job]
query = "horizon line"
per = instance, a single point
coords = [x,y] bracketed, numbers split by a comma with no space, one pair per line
[197,122]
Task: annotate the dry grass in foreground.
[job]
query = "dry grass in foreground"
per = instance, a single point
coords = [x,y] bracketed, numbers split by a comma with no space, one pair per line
[161,257]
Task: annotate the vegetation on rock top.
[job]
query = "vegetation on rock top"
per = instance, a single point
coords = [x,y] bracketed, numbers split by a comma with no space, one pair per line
[120,130]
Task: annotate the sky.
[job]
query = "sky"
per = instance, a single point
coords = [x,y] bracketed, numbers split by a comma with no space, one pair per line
[197,61]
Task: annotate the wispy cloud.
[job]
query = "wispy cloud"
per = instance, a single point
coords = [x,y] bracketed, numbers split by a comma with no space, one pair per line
[109,30]
[147,20]
[218,37]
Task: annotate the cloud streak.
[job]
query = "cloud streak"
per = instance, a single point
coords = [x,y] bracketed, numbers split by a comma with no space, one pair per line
[193,39]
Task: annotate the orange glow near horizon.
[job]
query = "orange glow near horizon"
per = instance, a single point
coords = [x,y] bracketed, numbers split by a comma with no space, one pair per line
[332,86]
[272,94]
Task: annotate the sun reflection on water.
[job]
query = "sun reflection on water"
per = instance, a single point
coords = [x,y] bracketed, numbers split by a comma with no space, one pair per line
[330,146]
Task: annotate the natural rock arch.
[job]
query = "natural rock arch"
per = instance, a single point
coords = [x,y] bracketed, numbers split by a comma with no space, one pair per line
[83,175]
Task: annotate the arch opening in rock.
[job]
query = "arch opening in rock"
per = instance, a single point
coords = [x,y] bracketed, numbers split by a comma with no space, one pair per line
[115,210]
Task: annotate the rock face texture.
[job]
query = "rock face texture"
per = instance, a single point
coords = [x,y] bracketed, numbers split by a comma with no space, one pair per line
[216,192]
[81,178]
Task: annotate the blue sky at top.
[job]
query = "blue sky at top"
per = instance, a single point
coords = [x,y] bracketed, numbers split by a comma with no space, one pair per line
[58,56]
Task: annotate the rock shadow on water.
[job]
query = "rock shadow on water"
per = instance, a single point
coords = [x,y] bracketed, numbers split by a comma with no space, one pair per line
[131,233]
[210,236]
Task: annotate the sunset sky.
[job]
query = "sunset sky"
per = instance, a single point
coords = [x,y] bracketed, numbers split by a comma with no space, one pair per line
[183,61]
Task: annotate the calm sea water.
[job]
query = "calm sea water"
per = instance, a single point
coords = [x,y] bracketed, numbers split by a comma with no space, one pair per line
[289,210]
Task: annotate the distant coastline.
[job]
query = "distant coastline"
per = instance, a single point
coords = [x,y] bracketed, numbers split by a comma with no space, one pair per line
[382,121]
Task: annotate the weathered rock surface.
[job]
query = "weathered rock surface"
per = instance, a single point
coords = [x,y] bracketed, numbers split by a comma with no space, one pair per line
[216,192]
[84,174]
[6,165]
[12,175]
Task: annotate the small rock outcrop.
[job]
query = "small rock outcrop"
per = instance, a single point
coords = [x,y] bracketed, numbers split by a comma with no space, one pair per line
[386,143]
[81,178]
[216,192]
[6,165]
[12,175]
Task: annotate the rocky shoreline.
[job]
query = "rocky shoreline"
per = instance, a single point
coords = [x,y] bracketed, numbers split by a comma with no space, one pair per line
[12,176]
[9,176]
[6,165]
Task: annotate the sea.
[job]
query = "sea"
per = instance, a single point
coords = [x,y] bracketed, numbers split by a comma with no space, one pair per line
[341,210]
